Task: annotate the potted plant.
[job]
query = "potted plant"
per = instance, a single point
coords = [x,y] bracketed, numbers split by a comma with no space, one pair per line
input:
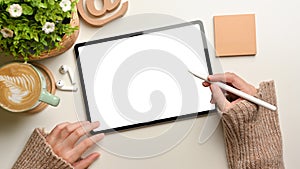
[37,29]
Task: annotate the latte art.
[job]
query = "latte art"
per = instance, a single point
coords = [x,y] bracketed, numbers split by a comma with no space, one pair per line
[20,87]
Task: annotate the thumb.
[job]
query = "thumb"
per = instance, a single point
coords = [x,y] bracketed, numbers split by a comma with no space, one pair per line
[218,97]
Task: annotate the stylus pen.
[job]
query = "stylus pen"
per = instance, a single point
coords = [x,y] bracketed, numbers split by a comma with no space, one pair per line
[239,93]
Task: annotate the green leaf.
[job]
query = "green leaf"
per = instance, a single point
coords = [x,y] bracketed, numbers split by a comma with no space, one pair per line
[58,38]
[36,37]
[9,1]
[51,2]
[27,10]
[36,17]
[43,5]
[16,42]
[44,42]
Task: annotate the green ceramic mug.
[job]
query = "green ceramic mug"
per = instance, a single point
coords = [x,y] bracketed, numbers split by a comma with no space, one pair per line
[23,87]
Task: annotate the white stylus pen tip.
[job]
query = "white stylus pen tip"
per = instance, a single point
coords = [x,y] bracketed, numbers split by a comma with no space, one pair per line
[200,77]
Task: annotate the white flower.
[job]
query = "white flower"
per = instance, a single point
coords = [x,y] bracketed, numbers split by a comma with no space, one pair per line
[7,33]
[15,10]
[48,27]
[65,5]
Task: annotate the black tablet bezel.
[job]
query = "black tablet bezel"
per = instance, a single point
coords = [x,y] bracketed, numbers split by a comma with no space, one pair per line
[138,125]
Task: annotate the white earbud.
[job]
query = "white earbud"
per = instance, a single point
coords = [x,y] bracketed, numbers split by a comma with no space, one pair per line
[61,86]
[65,69]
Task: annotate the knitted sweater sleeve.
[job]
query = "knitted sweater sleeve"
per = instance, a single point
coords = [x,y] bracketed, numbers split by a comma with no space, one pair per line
[37,153]
[252,133]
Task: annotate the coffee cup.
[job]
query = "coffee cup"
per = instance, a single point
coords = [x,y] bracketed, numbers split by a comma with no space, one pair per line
[23,87]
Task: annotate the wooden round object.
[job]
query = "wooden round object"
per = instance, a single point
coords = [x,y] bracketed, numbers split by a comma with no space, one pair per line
[66,42]
[94,17]
[50,85]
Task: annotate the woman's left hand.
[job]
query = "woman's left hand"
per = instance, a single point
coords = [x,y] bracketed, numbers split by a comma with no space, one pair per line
[63,140]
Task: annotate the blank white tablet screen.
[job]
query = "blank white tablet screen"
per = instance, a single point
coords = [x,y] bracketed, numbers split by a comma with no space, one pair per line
[130,80]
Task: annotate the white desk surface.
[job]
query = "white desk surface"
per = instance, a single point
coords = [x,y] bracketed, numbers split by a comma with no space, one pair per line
[278,33]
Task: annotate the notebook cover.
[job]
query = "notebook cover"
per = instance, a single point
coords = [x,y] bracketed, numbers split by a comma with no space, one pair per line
[235,35]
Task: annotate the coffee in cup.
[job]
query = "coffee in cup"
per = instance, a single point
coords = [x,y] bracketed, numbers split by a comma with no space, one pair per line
[22,87]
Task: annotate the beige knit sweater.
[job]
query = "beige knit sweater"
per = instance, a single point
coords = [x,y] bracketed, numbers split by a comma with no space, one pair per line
[252,133]
[252,138]
[38,154]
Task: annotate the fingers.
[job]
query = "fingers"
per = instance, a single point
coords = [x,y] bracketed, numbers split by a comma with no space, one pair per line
[62,131]
[234,80]
[64,140]
[54,134]
[227,78]
[218,97]
[81,131]
[72,127]
[85,145]
[86,162]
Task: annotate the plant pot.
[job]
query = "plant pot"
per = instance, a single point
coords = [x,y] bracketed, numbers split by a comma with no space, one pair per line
[66,42]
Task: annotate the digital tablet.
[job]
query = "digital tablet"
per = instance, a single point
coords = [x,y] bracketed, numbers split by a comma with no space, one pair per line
[141,78]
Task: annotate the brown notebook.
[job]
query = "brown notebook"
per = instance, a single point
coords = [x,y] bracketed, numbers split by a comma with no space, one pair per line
[235,35]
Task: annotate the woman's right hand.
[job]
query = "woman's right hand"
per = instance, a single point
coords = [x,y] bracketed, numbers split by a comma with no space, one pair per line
[226,102]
